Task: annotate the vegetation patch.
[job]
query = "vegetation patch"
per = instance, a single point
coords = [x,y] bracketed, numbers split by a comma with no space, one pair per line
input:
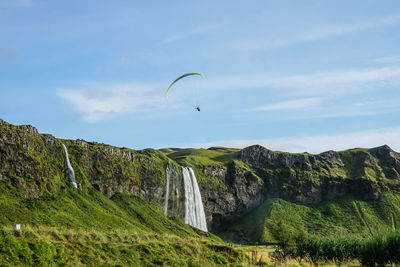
[76,228]
[347,216]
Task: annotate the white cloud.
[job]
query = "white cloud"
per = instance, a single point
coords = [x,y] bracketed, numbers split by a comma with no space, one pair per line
[291,105]
[322,83]
[95,103]
[332,93]
[352,109]
[318,34]
[318,108]
[339,77]
[104,102]
[320,143]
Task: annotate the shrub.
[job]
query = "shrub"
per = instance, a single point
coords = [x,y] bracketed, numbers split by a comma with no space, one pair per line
[381,250]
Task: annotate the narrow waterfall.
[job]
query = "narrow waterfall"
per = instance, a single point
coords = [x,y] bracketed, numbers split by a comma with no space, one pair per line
[168,174]
[71,172]
[194,211]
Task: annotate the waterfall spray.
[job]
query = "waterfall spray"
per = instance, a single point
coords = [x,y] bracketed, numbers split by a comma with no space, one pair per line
[194,211]
[168,174]
[71,172]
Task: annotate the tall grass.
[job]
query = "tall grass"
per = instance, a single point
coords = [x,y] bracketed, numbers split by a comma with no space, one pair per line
[51,246]
[76,228]
[377,250]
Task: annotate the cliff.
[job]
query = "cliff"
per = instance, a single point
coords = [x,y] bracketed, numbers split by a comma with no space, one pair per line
[35,164]
[64,225]
[309,179]
[233,182]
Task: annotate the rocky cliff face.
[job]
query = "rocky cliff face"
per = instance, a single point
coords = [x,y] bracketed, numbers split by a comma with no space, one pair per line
[308,179]
[242,193]
[232,182]
[34,163]
[28,160]
[110,169]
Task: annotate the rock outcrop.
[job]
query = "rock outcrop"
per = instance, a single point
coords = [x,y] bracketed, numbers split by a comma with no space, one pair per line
[309,179]
[243,192]
[35,164]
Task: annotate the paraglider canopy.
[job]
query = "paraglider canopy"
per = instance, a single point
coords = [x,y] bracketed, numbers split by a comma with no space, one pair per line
[180,77]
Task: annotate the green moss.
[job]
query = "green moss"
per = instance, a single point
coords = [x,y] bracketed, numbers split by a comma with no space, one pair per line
[248,171]
[361,164]
[210,183]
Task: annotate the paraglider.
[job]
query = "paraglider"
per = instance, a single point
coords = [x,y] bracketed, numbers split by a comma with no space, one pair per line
[197,108]
[180,77]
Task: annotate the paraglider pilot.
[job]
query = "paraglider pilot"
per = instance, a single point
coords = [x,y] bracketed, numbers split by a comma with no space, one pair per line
[180,77]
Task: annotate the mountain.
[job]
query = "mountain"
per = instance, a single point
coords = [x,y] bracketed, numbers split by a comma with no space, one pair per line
[234,182]
[244,191]
[64,225]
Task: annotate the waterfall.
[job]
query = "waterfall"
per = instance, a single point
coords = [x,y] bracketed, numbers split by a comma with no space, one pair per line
[194,211]
[168,174]
[71,172]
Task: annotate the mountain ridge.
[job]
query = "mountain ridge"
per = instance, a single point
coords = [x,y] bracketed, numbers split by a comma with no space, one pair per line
[232,181]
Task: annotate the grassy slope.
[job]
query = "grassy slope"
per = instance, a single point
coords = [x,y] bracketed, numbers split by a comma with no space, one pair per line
[342,217]
[213,157]
[49,246]
[77,228]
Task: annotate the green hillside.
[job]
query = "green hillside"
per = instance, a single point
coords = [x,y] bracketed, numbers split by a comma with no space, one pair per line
[213,156]
[76,228]
[347,216]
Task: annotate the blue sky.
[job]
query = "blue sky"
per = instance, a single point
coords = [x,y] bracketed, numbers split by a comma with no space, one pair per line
[290,75]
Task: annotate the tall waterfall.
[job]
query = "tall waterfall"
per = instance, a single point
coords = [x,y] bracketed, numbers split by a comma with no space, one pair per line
[71,172]
[194,211]
[168,174]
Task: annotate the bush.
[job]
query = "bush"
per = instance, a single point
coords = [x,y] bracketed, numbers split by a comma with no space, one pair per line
[370,252]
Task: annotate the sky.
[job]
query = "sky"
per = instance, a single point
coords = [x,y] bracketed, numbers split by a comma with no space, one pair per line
[293,76]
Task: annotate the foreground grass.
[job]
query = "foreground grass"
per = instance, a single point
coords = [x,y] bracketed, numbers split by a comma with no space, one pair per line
[50,246]
[378,250]
[76,228]
[262,256]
